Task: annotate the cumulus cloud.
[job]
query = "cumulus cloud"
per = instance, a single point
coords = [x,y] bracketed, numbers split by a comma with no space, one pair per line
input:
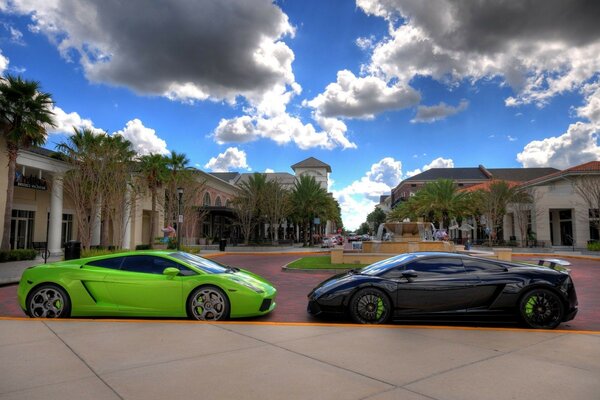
[143,140]
[439,162]
[206,49]
[355,97]
[435,113]
[358,199]
[535,47]
[3,63]
[577,145]
[231,159]
[65,122]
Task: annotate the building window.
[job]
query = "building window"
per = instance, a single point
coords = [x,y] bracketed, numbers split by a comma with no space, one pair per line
[206,201]
[218,202]
[67,228]
[413,185]
[594,215]
[21,229]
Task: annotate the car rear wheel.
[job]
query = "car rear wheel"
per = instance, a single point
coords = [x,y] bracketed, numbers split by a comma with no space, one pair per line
[48,301]
[370,306]
[208,303]
[541,309]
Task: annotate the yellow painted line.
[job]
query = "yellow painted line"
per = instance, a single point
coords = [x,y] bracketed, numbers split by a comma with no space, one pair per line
[320,324]
[258,253]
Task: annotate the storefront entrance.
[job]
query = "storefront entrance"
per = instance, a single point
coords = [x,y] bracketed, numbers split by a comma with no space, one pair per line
[21,229]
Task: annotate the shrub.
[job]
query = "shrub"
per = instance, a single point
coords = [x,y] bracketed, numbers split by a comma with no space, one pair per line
[143,247]
[172,244]
[593,246]
[100,252]
[17,255]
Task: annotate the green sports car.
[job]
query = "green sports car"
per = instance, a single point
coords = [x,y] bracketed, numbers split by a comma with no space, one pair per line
[144,284]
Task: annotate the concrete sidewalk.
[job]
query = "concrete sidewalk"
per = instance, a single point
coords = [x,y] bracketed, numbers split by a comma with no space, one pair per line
[81,359]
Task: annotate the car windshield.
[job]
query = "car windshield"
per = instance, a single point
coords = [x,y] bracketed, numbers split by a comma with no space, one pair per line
[384,265]
[203,264]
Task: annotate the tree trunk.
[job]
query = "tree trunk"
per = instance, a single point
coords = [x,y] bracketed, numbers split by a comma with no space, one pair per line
[153,218]
[10,191]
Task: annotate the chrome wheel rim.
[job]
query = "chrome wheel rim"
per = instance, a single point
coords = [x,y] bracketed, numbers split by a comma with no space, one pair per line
[371,308]
[542,309]
[208,305]
[47,303]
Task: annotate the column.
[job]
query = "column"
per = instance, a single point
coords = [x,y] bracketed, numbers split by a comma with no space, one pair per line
[56,211]
[96,225]
[127,220]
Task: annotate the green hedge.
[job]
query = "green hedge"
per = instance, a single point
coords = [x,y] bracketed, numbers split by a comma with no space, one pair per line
[593,246]
[17,255]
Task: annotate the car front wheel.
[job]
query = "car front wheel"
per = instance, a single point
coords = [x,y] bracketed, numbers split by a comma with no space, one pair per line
[370,306]
[208,303]
[48,301]
[541,309]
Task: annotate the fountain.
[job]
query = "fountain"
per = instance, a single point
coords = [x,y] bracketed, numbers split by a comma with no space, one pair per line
[405,237]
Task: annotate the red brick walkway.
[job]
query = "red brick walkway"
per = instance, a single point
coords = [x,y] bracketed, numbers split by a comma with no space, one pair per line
[294,286]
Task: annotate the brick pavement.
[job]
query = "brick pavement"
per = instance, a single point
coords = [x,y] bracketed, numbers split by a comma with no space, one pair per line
[294,286]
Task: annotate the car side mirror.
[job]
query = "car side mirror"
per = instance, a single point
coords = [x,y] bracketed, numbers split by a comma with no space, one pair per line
[171,272]
[409,274]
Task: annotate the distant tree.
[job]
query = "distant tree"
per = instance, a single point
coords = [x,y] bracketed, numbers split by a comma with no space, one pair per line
[588,188]
[25,115]
[178,173]
[376,218]
[154,172]
[309,200]
[363,229]
[493,201]
[276,204]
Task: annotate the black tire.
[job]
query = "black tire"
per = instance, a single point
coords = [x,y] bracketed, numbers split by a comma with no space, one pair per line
[541,309]
[48,301]
[370,306]
[208,303]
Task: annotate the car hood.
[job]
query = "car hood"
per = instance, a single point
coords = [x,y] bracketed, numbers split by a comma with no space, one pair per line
[338,282]
[245,278]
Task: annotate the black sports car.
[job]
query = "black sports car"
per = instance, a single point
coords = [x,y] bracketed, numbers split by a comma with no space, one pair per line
[448,285]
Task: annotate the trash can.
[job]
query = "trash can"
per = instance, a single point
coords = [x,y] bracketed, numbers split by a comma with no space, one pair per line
[222,244]
[72,250]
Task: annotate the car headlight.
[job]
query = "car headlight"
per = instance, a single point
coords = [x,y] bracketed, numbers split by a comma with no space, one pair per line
[248,285]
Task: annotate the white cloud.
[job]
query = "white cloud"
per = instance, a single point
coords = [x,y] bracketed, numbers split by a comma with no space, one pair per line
[577,145]
[65,122]
[439,162]
[354,97]
[269,171]
[236,130]
[218,50]
[435,113]
[3,63]
[231,159]
[358,199]
[538,54]
[511,138]
[143,140]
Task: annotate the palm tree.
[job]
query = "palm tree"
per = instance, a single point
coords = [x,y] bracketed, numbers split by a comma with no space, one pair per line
[309,200]
[154,172]
[25,115]
[178,165]
[251,203]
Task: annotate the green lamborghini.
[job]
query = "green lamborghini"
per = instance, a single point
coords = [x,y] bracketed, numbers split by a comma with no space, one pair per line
[144,284]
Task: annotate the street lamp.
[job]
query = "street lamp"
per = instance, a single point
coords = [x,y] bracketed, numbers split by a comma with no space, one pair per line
[180,217]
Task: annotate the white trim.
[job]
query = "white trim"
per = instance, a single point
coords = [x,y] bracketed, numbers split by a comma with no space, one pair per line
[25,207]
[29,159]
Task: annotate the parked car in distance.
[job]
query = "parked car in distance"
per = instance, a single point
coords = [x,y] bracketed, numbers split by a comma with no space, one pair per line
[328,242]
[432,285]
[144,284]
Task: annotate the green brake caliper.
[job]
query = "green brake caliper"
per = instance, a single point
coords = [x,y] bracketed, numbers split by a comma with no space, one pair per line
[380,308]
[529,306]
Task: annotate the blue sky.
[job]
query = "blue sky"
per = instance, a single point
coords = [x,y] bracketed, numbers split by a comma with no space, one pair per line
[378,89]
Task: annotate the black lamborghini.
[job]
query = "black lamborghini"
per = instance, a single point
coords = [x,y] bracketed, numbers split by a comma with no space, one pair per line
[448,285]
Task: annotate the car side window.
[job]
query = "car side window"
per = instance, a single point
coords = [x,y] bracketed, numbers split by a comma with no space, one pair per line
[111,263]
[476,265]
[148,264]
[436,266]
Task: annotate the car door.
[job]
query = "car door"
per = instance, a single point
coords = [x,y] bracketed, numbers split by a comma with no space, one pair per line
[493,277]
[439,284]
[92,276]
[141,288]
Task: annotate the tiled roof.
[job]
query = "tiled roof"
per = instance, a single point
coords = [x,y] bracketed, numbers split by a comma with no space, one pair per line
[486,185]
[225,176]
[311,162]
[585,168]
[520,174]
[283,177]
[449,173]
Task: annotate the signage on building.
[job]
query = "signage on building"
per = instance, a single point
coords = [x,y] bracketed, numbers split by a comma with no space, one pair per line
[30,182]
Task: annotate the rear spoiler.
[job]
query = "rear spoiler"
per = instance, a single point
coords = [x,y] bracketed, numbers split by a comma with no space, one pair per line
[554,263]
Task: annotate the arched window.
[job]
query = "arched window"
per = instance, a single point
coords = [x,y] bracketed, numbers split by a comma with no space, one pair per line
[206,202]
[218,202]
[227,203]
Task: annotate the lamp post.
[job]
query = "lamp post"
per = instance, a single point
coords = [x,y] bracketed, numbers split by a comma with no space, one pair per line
[180,217]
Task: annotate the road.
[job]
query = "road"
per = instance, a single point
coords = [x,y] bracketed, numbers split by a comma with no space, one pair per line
[294,286]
